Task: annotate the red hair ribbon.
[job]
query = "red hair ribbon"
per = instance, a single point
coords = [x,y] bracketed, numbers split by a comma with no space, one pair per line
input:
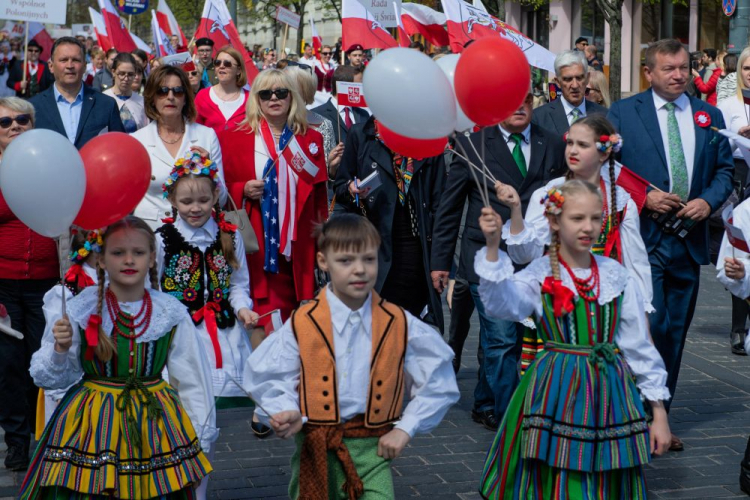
[225,226]
[77,274]
[562,297]
[92,335]
[168,220]
[208,313]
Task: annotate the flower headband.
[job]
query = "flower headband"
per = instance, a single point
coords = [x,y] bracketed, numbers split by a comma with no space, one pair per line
[553,201]
[606,142]
[192,163]
[93,243]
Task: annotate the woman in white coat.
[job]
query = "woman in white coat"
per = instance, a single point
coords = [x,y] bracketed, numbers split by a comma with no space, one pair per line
[169,103]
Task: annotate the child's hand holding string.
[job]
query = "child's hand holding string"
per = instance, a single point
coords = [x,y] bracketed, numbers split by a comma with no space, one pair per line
[491,224]
[249,318]
[507,195]
[63,333]
[286,423]
[734,268]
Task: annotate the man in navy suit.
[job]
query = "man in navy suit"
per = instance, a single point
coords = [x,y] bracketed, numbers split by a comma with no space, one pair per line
[572,70]
[69,107]
[668,141]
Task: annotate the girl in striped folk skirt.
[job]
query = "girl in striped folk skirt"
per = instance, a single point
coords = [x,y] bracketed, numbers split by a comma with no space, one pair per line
[575,427]
[122,431]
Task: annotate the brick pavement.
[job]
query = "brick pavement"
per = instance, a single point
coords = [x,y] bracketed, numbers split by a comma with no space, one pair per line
[711,413]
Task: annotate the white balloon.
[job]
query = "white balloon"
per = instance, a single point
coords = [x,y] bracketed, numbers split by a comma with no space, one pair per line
[410,94]
[43,181]
[448,65]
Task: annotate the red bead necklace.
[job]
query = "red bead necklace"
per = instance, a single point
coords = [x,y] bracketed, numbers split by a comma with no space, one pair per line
[132,323]
[585,286]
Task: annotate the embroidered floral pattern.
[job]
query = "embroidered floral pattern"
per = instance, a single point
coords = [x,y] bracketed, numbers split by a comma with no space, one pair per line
[183,276]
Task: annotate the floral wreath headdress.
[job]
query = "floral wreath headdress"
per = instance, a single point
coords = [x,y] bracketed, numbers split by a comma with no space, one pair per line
[93,243]
[192,163]
[553,201]
[607,143]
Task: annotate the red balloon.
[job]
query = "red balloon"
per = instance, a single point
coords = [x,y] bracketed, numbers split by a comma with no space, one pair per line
[118,172]
[492,80]
[412,148]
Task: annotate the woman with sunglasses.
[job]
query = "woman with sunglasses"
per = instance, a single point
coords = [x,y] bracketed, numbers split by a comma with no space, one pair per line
[132,110]
[223,105]
[597,90]
[196,81]
[324,71]
[284,199]
[28,269]
[172,133]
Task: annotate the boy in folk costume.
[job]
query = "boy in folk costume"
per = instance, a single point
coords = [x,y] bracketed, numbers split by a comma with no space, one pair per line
[338,371]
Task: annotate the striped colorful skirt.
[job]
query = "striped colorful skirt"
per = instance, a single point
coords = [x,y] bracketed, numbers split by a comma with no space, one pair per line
[575,429]
[99,445]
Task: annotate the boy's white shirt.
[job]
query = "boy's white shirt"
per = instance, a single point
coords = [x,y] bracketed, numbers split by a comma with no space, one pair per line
[272,372]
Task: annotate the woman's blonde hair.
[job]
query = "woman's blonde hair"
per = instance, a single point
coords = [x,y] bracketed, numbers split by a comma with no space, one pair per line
[600,80]
[266,80]
[740,83]
[307,82]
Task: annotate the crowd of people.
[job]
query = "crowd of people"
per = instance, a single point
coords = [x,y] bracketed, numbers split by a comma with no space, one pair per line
[251,276]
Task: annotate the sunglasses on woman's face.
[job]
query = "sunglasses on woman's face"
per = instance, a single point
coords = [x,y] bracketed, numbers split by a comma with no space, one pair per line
[590,90]
[325,53]
[7,121]
[223,62]
[164,91]
[281,94]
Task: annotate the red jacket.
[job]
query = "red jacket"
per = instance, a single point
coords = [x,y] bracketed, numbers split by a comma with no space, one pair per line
[25,254]
[709,87]
[210,115]
[238,153]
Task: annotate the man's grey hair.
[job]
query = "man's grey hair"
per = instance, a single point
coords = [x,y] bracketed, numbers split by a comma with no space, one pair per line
[571,58]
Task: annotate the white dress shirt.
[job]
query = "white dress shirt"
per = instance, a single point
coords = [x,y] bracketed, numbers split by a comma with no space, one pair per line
[684,114]
[273,371]
[525,144]
[568,107]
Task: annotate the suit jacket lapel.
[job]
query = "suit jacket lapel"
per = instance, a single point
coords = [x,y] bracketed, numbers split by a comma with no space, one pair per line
[55,114]
[156,149]
[647,111]
[559,118]
[86,107]
[701,136]
[538,150]
[504,165]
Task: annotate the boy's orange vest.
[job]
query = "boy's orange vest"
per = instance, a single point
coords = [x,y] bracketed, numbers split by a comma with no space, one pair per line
[318,391]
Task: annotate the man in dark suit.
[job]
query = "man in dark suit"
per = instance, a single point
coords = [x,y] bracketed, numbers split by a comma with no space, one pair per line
[69,107]
[572,70]
[38,76]
[666,142]
[526,157]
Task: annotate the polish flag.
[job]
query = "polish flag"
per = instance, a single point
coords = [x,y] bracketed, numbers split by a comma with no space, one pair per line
[419,19]
[360,27]
[100,30]
[116,31]
[350,94]
[161,39]
[217,24]
[140,43]
[466,22]
[317,41]
[403,38]
[168,23]
[40,35]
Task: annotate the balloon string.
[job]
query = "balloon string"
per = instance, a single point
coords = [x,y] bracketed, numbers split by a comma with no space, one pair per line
[481,159]
[60,258]
[482,193]
[472,165]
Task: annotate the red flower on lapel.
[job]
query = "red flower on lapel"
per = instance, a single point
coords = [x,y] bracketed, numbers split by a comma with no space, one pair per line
[702,119]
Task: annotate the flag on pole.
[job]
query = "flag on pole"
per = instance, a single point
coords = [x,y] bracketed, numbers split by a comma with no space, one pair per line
[160,38]
[403,38]
[466,22]
[140,43]
[419,19]
[634,184]
[299,161]
[350,94]
[168,22]
[359,26]
[100,30]
[734,234]
[317,41]
[217,24]
[40,36]
[116,30]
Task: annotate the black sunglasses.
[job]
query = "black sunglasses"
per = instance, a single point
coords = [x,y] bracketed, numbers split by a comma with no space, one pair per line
[164,91]
[223,62]
[265,95]
[6,121]
[325,53]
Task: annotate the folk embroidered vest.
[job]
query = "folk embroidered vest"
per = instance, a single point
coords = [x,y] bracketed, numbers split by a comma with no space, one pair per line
[186,269]
[318,389]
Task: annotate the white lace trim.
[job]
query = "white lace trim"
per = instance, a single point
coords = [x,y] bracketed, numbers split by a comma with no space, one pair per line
[524,237]
[167,312]
[493,271]
[613,276]
[44,370]
[655,393]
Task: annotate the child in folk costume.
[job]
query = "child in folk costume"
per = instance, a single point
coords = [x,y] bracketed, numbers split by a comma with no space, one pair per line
[575,427]
[123,432]
[339,369]
[201,261]
[85,245]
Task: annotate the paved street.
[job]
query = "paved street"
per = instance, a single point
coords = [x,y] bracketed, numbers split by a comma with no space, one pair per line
[711,413]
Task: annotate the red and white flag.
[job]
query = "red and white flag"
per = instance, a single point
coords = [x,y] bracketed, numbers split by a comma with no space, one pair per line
[160,38]
[419,19]
[734,234]
[350,94]
[36,33]
[403,37]
[317,41]
[182,59]
[116,30]
[100,30]
[298,160]
[466,22]
[168,23]
[217,24]
[141,44]
[359,26]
